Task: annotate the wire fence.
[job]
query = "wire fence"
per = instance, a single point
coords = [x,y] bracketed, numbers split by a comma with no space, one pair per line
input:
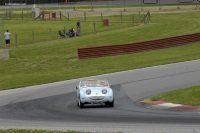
[93,20]
[91,23]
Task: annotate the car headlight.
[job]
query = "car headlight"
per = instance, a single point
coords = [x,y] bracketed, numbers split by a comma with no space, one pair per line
[104,91]
[88,92]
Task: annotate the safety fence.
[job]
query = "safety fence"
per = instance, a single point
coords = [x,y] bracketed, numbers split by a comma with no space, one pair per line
[91,23]
[39,35]
[114,15]
[93,20]
[92,52]
[94,4]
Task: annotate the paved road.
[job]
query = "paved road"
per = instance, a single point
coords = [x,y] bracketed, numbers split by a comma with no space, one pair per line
[53,106]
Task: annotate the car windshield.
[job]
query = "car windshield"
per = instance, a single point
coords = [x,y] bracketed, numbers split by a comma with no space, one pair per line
[94,83]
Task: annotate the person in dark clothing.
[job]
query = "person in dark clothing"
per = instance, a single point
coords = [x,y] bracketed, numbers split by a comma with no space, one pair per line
[71,32]
[60,34]
[78,24]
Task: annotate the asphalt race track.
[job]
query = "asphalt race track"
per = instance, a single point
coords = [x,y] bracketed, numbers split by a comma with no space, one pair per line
[53,106]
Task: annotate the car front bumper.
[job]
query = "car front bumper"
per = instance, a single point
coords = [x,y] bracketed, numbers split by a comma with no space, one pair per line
[96,99]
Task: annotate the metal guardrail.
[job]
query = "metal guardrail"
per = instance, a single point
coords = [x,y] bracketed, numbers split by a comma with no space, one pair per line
[92,52]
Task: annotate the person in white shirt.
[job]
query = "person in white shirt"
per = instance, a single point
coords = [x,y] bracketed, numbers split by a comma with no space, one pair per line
[33,8]
[7,35]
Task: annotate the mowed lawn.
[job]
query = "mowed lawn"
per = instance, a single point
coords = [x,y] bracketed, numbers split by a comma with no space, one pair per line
[37,131]
[56,59]
[186,96]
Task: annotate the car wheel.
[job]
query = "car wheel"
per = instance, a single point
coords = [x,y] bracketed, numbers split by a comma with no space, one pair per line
[107,104]
[112,103]
[81,105]
[77,104]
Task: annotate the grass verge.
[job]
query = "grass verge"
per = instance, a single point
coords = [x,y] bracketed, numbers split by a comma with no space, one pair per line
[186,96]
[37,131]
[56,60]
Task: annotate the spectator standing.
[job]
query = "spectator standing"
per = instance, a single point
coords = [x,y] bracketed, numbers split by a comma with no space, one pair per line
[78,24]
[7,35]
[33,9]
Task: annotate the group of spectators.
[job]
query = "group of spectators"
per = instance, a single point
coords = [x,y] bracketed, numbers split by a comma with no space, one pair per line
[71,32]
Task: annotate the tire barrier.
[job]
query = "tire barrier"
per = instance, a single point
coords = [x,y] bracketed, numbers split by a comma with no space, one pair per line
[144,2]
[93,52]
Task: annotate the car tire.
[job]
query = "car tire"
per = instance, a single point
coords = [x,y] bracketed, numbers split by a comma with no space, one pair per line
[111,103]
[81,105]
[107,104]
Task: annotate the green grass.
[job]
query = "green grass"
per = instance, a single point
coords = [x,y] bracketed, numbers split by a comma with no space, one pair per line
[56,60]
[48,30]
[71,5]
[163,25]
[186,96]
[37,131]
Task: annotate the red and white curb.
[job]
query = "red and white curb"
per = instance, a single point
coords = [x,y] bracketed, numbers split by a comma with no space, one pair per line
[159,105]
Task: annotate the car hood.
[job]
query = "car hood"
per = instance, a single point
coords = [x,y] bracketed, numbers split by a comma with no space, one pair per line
[96,91]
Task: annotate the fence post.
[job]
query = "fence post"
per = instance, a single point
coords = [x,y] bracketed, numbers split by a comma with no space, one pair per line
[64,31]
[22,15]
[142,5]
[124,5]
[10,14]
[85,16]
[91,6]
[109,26]
[121,19]
[140,20]
[107,6]
[2,33]
[68,15]
[60,15]
[101,16]
[133,20]
[33,37]
[16,41]
[159,5]
[149,17]
[94,27]
[178,4]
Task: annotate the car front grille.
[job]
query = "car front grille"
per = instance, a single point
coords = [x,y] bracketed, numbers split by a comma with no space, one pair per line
[97,97]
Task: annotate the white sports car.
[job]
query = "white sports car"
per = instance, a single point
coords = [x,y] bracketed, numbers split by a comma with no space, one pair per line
[94,91]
